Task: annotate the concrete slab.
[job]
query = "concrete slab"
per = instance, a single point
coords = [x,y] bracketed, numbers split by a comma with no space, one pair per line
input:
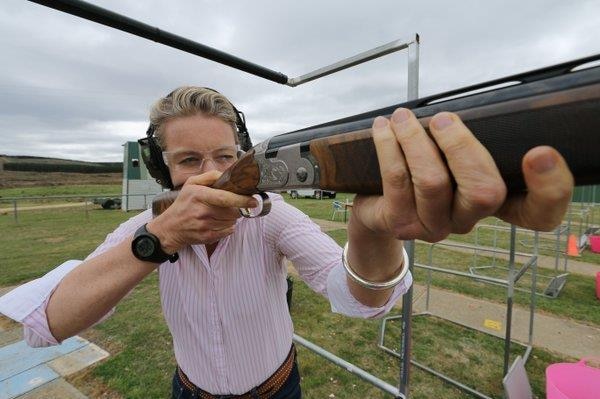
[17,357]
[11,336]
[57,389]
[7,323]
[78,360]
[26,381]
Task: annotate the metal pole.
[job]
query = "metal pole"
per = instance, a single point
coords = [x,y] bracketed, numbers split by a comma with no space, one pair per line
[569,210]
[533,287]
[351,368]
[413,69]
[121,22]
[15,211]
[509,299]
[86,210]
[412,94]
[365,56]
[557,248]
[429,278]
[406,337]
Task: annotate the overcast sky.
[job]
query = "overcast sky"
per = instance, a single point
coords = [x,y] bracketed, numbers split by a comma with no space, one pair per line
[71,88]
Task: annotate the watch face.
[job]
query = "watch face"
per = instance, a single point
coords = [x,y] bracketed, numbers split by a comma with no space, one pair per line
[144,247]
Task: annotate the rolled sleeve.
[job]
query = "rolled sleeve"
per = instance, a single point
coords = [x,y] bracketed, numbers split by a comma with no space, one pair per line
[36,330]
[343,302]
[27,304]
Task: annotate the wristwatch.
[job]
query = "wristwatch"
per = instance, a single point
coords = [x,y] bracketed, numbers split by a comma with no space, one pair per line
[146,246]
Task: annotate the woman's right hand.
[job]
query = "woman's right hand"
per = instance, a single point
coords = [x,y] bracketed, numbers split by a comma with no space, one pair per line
[199,215]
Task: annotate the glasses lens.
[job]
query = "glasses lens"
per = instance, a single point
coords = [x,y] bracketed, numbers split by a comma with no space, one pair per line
[224,156]
[192,161]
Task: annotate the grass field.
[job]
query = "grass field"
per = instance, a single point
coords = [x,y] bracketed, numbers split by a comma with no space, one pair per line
[142,364]
[86,189]
[141,361]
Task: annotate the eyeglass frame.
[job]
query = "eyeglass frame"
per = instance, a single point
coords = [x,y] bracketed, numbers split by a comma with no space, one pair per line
[237,148]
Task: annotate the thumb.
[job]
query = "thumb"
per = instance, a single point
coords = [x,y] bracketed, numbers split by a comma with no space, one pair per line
[549,188]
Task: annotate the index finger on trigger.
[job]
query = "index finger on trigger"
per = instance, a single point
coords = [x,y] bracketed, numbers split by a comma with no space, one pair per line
[225,199]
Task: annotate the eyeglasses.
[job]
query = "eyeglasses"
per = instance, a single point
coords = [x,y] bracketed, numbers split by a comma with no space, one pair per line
[189,161]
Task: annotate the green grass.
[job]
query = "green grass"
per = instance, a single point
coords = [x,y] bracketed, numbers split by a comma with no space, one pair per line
[143,365]
[44,239]
[44,191]
[141,362]
[471,357]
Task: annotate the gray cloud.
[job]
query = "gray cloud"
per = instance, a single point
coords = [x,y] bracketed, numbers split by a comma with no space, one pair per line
[75,89]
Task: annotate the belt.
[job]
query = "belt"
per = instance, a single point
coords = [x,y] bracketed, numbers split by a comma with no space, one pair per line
[264,391]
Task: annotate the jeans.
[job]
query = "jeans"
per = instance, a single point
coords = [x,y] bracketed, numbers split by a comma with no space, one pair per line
[289,390]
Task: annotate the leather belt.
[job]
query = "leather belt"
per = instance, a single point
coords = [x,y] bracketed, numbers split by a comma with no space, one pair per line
[264,391]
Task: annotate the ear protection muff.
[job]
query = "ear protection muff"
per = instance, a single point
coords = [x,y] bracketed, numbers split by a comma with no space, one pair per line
[152,152]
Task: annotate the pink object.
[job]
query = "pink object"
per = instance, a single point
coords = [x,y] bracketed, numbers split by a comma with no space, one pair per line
[595,243]
[572,381]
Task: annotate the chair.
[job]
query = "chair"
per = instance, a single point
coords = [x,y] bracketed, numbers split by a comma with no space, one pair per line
[338,207]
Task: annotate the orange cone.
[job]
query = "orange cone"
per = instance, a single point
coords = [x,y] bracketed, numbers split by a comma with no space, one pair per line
[572,249]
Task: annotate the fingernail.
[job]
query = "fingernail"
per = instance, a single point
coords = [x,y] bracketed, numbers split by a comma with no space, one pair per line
[380,122]
[543,163]
[400,115]
[442,121]
[253,203]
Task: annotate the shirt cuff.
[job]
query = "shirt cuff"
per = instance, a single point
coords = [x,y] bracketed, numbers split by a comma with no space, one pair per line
[342,301]
[23,300]
[36,330]
[27,304]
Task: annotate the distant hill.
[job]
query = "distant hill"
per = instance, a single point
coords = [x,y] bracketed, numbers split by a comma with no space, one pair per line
[27,163]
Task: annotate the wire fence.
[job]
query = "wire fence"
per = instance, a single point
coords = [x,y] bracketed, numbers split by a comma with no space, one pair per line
[85,202]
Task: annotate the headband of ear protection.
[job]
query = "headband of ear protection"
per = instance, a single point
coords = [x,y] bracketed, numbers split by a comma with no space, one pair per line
[152,152]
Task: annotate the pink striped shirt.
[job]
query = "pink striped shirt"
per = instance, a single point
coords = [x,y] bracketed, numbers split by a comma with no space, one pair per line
[228,314]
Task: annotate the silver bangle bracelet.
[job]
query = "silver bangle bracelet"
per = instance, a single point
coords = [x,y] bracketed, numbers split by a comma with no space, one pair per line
[375,285]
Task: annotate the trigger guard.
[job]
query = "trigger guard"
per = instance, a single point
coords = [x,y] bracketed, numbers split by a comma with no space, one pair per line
[266,207]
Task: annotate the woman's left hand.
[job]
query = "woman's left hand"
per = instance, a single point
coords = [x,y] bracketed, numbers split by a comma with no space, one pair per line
[443,183]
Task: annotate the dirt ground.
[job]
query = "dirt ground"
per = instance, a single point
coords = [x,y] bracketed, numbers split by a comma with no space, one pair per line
[9,179]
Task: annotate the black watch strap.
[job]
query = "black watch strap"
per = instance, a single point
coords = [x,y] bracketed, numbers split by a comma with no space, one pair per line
[146,246]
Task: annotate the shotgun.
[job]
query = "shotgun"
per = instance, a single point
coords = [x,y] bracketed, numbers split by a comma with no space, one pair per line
[557,106]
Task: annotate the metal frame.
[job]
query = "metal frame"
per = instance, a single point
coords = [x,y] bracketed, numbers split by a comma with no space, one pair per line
[358,59]
[412,92]
[513,276]
[556,281]
[583,214]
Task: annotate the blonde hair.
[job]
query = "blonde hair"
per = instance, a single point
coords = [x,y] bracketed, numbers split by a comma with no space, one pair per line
[188,101]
